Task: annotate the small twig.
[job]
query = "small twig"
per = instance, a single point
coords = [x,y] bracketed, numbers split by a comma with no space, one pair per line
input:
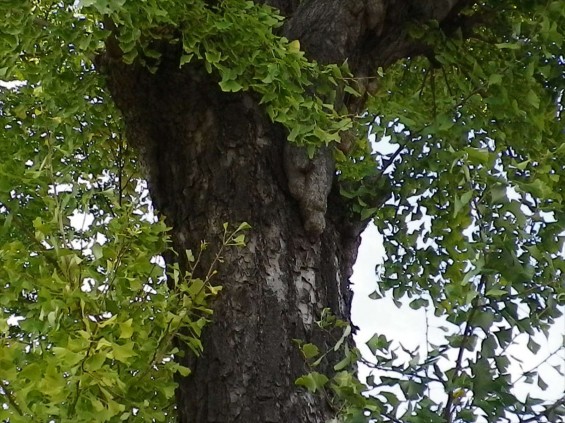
[120,162]
[11,400]
[427,71]
[391,418]
[537,366]
[390,162]
[446,81]
[467,332]
[433,86]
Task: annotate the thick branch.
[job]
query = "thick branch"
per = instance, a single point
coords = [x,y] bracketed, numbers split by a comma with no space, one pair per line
[367,33]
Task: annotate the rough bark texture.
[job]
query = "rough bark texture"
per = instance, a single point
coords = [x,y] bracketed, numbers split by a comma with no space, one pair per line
[213,157]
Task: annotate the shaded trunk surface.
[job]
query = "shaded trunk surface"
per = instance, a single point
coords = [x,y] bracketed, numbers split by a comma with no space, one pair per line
[212,157]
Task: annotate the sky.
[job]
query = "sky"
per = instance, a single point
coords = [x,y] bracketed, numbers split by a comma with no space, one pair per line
[408,326]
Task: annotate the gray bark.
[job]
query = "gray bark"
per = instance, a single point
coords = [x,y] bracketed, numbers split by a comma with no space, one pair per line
[212,157]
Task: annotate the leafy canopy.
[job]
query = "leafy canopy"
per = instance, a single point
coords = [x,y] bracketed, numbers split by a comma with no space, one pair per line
[478,168]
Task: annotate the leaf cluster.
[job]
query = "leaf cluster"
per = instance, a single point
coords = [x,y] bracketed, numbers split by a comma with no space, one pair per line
[87,314]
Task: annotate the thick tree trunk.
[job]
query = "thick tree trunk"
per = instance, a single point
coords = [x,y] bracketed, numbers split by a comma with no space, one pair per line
[213,157]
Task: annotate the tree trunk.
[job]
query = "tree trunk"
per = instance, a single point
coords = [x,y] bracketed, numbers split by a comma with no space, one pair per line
[212,157]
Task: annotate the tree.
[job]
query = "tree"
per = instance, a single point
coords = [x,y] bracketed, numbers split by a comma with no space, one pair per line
[236,112]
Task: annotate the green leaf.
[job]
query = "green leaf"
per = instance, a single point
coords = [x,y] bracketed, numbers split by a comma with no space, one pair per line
[313,381]
[123,353]
[345,362]
[375,295]
[495,79]
[97,251]
[377,342]
[533,99]
[533,346]
[541,383]
[343,338]
[244,226]
[67,357]
[95,362]
[230,85]
[126,329]
[484,319]
[350,90]
[496,293]
[310,351]
[511,46]
[461,202]
[478,155]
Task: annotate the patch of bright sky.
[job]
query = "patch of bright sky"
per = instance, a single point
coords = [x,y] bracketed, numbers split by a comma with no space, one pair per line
[12,84]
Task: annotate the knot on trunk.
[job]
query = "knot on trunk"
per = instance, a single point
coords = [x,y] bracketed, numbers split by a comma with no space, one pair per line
[309,182]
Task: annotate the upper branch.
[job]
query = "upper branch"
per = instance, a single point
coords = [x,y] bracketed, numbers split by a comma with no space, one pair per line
[367,33]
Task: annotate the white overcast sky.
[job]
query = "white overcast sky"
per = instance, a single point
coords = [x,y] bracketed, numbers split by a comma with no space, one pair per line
[409,326]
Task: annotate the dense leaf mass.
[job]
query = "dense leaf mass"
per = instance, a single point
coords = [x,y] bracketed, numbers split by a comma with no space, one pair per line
[452,141]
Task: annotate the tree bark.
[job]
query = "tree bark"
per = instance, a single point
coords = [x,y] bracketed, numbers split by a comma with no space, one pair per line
[212,157]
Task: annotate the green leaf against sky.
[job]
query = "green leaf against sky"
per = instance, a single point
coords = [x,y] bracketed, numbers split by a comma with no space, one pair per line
[480,159]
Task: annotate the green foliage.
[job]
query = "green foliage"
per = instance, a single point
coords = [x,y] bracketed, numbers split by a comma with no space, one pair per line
[236,41]
[473,226]
[343,391]
[96,315]
[483,155]
[97,318]
[480,150]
